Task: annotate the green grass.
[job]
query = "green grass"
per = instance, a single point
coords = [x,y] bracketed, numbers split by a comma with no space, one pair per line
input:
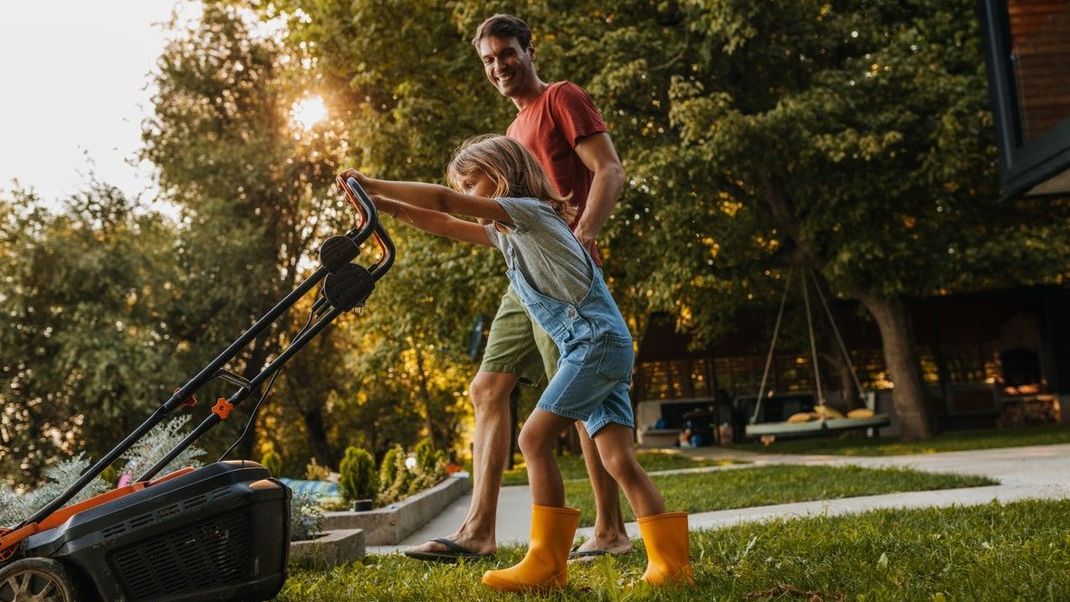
[1018,551]
[1047,434]
[572,466]
[762,486]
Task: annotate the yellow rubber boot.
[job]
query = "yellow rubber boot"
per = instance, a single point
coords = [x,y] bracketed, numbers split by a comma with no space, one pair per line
[665,537]
[545,566]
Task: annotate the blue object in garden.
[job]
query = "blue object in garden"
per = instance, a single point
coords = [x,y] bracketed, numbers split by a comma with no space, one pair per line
[321,489]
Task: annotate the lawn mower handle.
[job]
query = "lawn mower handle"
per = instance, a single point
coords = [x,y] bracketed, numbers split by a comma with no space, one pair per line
[369,226]
[357,196]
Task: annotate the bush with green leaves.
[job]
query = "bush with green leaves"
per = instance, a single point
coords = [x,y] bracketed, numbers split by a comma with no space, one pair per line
[388,471]
[358,479]
[315,471]
[273,462]
[400,477]
[399,480]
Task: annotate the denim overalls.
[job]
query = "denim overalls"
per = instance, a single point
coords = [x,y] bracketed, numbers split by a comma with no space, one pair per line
[595,368]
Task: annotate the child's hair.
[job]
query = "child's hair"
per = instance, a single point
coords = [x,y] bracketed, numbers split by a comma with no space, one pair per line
[511,167]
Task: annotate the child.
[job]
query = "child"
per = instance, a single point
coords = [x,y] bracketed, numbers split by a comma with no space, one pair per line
[499,182]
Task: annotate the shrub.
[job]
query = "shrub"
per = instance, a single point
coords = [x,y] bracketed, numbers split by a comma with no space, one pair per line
[15,507]
[388,470]
[358,479]
[144,454]
[273,462]
[397,480]
[306,518]
[316,472]
[426,473]
[398,487]
[425,455]
[156,444]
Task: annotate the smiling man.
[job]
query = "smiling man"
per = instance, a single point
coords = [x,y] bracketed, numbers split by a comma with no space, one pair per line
[559,123]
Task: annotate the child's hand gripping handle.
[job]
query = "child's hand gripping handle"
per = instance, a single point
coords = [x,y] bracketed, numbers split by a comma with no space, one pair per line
[360,200]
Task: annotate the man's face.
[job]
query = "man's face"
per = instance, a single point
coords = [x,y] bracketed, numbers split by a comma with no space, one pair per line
[508,66]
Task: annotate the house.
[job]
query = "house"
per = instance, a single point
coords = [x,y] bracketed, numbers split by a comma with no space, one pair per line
[996,357]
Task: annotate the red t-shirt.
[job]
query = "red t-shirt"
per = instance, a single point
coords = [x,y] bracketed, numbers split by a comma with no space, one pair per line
[550,127]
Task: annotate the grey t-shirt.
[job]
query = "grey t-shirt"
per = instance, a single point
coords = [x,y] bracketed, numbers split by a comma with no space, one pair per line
[546,251]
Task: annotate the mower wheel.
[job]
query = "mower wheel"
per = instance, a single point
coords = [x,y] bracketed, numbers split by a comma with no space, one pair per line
[36,580]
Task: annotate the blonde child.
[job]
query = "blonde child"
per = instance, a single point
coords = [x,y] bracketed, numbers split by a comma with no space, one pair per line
[499,182]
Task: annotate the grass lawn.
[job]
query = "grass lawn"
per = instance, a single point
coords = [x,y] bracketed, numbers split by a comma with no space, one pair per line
[995,552]
[652,460]
[762,486]
[1047,434]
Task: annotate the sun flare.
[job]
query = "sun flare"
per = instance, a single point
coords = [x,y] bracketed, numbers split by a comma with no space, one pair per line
[308,112]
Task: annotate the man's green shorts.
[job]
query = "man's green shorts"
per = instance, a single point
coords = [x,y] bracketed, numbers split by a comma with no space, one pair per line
[517,345]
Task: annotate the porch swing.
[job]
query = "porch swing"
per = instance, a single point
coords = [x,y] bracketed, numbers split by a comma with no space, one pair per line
[826,419]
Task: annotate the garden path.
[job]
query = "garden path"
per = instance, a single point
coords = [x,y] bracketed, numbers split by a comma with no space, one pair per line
[1037,472]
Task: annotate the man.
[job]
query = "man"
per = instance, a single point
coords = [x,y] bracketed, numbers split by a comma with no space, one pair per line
[559,123]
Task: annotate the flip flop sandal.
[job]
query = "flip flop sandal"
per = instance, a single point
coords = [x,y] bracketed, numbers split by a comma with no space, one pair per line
[577,555]
[453,553]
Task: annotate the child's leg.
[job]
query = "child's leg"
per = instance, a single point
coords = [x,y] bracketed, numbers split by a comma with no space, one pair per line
[665,534]
[537,440]
[553,526]
[614,443]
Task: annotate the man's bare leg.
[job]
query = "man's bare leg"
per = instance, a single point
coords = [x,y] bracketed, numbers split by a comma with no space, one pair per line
[609,534]
[490,451]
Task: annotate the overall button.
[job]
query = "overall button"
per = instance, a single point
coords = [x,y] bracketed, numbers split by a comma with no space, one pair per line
[572,312]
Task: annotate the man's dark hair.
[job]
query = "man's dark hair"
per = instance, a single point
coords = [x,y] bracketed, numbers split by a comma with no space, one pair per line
[504,26]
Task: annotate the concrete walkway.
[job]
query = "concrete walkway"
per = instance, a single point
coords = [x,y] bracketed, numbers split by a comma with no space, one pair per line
[1023,473]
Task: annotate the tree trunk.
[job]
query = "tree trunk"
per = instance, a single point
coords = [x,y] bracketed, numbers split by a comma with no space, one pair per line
[425,392]
[901,358]
[317,437]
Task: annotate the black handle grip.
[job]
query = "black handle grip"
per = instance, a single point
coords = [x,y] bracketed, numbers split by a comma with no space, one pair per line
[360,200]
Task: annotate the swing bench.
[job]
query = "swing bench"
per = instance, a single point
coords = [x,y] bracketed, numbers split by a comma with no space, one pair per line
[827,420]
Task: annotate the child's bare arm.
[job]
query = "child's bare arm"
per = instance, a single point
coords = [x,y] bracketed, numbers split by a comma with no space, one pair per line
[434,222]
[433,197]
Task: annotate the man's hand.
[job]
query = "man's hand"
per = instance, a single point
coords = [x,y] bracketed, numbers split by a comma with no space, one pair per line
[585,236]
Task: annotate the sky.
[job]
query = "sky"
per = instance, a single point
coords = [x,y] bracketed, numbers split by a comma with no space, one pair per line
[73,89]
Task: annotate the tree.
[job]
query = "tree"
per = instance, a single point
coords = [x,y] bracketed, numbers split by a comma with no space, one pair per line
[399,100]
[855,139]
[851,138]
[88,348]
[255,190]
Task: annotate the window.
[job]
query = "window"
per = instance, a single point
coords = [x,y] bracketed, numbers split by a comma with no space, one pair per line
[1027,44]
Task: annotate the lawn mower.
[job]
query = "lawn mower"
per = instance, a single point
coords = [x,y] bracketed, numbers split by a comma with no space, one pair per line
[220,532]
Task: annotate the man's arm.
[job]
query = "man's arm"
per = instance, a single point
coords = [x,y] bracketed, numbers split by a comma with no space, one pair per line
[600,156]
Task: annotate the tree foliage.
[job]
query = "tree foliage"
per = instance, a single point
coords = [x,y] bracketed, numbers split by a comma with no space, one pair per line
[852,138]
[89,343]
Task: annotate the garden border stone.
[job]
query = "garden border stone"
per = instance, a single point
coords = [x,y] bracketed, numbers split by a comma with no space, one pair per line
[329,549]
[392,524]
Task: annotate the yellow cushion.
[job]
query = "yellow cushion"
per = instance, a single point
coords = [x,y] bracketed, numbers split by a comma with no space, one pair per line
[860,413]
[802,417]
[827,412]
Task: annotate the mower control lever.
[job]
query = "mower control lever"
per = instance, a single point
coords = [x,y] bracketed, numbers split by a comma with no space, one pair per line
[234,379]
